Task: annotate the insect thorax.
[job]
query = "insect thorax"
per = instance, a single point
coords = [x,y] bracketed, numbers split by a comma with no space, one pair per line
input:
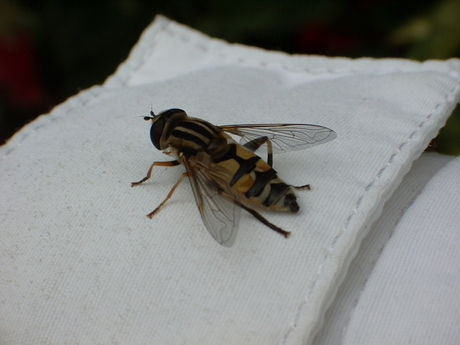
[194,135]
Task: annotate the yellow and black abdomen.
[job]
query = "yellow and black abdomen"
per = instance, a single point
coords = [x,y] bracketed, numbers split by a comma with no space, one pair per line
[255,180]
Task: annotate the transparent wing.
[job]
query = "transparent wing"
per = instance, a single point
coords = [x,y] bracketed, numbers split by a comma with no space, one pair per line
[220,214]
[283,137]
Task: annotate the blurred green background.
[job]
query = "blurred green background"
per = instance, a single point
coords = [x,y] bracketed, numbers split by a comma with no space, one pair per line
[51,49]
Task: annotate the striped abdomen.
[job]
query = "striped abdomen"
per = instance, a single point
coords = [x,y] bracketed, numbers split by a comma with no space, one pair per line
[254,179]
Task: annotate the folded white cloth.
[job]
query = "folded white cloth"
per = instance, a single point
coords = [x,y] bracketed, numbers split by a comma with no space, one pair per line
[409,293]
[82,264]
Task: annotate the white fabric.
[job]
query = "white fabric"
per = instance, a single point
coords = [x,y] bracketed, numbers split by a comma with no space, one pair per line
[413,295]
[358,310]
[82,264]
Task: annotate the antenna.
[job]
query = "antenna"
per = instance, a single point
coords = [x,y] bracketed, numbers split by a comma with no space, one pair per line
[152,114]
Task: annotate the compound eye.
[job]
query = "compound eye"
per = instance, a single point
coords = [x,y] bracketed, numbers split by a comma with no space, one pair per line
[156,131]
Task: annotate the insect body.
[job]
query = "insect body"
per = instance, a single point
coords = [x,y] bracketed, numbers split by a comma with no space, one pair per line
[227,176]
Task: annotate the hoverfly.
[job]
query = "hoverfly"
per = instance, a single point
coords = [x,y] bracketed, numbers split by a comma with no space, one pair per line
[227,176]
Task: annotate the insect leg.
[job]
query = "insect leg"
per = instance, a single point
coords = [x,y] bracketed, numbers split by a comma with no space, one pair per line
[306,186]
[256,214]
[265,221]
[254,145]
[149,173]
[151,214]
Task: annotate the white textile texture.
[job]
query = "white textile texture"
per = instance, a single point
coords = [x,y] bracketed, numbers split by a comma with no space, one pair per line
[412,295]
[82,264]
[418,317]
